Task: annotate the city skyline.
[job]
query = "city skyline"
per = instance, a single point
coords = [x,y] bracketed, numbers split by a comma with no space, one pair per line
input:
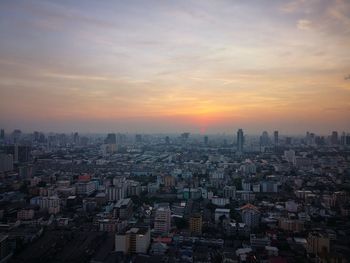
[160,67]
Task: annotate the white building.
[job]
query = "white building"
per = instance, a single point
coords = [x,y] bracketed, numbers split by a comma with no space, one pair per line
[250,215]
[289,156]
[219,201]
[115,193]
[135,240]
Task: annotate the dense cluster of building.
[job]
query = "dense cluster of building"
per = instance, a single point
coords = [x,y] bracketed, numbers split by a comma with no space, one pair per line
[174,198]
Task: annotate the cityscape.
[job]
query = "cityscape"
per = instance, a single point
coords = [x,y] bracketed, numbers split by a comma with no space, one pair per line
[174,198]
[184,131]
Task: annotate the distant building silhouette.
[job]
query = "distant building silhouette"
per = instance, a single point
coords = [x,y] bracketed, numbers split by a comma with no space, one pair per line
[111,139]
[275,138]
[240,140]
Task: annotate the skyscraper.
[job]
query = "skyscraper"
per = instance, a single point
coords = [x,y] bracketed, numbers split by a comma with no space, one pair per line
[250,215]
[206,140]
[264,139]
[240,140]
[111,138]
[162,220]
[334,137]
[275,137]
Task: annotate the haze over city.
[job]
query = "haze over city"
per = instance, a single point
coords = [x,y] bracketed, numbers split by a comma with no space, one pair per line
[173,66]
[175,131]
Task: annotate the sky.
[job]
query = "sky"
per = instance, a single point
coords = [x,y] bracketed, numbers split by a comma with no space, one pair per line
[171,66]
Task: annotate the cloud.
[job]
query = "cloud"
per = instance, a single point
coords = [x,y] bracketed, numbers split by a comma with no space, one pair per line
[292,6]
[304,24]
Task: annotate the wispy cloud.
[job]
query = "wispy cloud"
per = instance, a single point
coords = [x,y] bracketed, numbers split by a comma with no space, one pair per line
[304,24]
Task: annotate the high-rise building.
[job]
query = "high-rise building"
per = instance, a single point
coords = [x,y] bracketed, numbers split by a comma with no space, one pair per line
[334,137]
[264,139]
[250,215]
[347,140]
[135,240]
[85,188]
[240,140]
[289,156]
[196,224]
[206,140]
[318,243]
[230,191]
[111,139]
[123,209]
[343,139]
[275,137]
[169,181]
[138,138]
[116,192]
[2,134]
[288,140]
[16,135]
[76,138]
[6,162]
[162,220]
[20,153]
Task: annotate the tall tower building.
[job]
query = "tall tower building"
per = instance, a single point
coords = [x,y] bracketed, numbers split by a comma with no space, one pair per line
[240,140]
[196,224]
[343,139]
[2,134]
[162,220]
[334,137]
[206,140]
[111,138]
[264,139]
[275,137]
[250,215]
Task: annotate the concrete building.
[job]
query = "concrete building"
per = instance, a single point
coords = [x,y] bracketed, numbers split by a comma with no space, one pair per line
[123,209]
[291,225]
[169,181]
[162,220]
[135,240]
[250,215]
[133,188]
[269,187]
[196,224]
[6,162]
[318,243]
[240,141]
[25,214]
[49,203]
[230,192]
[289,156]
[115,193]
[85,188]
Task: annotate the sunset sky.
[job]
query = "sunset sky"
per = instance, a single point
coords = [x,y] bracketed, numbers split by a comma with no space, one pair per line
[170,66]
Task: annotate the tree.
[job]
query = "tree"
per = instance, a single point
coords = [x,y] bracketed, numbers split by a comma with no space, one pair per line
[181,223]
